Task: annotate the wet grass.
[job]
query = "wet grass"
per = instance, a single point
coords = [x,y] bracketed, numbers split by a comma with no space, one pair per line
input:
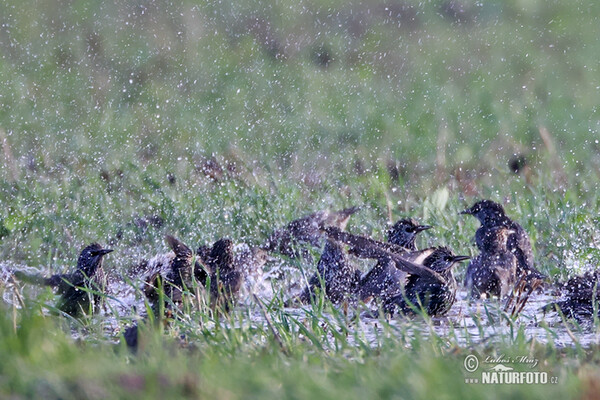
[121,123]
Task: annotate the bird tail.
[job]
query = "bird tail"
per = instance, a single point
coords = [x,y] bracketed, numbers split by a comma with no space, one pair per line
[34,279]
[340,218]
[178,247]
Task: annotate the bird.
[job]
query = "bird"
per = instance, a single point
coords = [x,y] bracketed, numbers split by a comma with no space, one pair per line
[366,247]
[581,296]
[306,230]
[201,273]
[491,214]
[217,265]
[226,279]
[430,286]
[74,288]
[493,272]
[384,279]
[168,276]
[172,273]
[339,277]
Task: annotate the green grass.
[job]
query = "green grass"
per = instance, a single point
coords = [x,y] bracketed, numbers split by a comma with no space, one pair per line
[112,111]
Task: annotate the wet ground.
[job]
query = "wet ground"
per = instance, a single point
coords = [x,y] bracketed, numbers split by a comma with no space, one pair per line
[467,322]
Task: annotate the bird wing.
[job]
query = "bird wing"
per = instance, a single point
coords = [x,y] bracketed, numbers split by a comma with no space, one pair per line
[362,246]
[419,256]
[520,245]
[416,269]
[33,279]
[339,219]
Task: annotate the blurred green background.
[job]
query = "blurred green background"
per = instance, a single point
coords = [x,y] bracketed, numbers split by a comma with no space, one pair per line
[302,86]
[231,118]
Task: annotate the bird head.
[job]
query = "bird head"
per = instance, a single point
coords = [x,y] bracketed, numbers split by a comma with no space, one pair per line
[404,232]
[486,211]
[90,258]
[443,259]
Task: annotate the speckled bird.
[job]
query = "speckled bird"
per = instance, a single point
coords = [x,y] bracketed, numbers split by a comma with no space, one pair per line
[385,280]
[173,271]
[306,230]
[580,294]
[74,288]
[430,286]
[491,214]
[338,275]
[493,272]
[225,276]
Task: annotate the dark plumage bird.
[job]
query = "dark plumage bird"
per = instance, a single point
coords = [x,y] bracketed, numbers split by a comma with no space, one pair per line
[384,279]
[306,230]
[493,272]
[88,275]
[201,272]
[174,277]
[430,286]
[225,276]
[491,215]
[335,272]
[226,279]
[579,295]
[170,273]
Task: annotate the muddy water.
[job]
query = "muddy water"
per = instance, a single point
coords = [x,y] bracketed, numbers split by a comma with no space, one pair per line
[467,323]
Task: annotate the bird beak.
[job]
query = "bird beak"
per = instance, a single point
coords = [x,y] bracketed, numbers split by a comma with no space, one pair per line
[460,258]
[466,212]
[421,228]
[104,251]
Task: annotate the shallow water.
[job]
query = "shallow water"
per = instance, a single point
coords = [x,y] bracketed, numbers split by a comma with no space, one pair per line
[467,323]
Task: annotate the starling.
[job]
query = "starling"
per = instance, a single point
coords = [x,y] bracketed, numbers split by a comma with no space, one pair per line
[430,286]
[581,296]
[334,270]
[493,271]
[248,262]
[384,279]
[491,215]
[306,230]
[89,275]
[218,263]
[225,277]
[175,272]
